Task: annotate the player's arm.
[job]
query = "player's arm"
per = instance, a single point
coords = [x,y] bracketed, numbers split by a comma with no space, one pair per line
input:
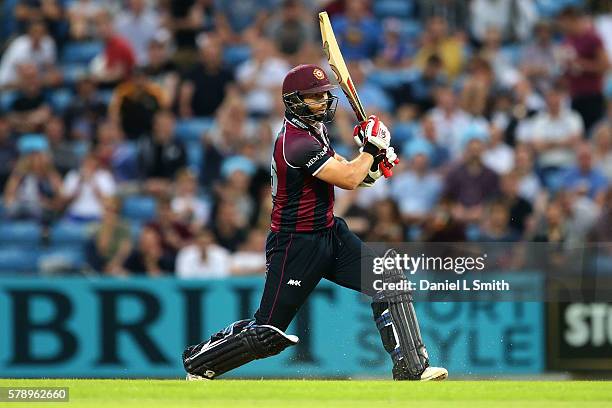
[344,174]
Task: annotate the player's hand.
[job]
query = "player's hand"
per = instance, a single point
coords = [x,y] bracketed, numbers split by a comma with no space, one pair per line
[377,134]
[383,164]
[359,133]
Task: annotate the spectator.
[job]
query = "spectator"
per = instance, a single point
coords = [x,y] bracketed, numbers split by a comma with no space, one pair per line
[496,225]
[49,12]
[81,18]
[138,24]
[35,48]
[33,188]
[421,90]
[520,209]
[119,156]
[249,259]
[385,227]
[237,173]
[111,244]
[135,102]
[187,18]
[498,156]
[162,156]
[229,226]
[160,69]
[117,60]
[584,62]
[241,21]
[395,50]
[478,86]
[437,41]
[554,134]
[501,61]
[416,190]
[514,18]
[259,76]
[453,11]
[30,110]
[85,190]
[553,228]
[441,226]
[173,233]
[62,151]
[439,155]
[204,87]
[538,58]
[449,120]
[203,259]
[602,149]
[148,258]
[529,186]
[8,151]
[584,179]
[85,111]
[359,35]
[289,30]
[471,184]
[372,96]
[190,208]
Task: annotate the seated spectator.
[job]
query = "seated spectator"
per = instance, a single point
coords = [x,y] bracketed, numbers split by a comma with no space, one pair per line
[205,85]
[529,186]
[228,225]
[439,155]
[471,184]
[514,20]
[187,19]
[385,226]
[138,23]
[249,259]
[449,120]
[602,149]
[148,257]
[520,209]
[420,91]
[117,60]
[36,49]
[436,40]
[63,152]
[85,111]
[8,151]
[160,69]
[478,86]
[135,102]
[203,259]
[289,30]
[496,225]
[259,76]
[555,134]
[416,190]
[584,179]
[372,96]
[85,190]
[190,208]
[29,111]
[173,233]
[161,157]
[236,174]
[538,60]
[240,21]
[118,155]
[359,35]
[81,18]
[504,71]
[395,51]
[441,226]
[50,12]
[111,244]
[33,188]
[498,156]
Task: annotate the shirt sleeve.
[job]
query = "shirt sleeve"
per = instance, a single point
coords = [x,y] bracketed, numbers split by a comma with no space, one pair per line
[306,153]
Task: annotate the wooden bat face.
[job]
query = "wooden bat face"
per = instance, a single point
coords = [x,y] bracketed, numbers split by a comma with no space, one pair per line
[338,66]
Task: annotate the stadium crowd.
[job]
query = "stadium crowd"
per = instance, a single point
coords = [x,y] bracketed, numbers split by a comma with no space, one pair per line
[135,135]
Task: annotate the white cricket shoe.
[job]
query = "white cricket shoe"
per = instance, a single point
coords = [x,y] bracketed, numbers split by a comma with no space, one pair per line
[193,377]
[434,374]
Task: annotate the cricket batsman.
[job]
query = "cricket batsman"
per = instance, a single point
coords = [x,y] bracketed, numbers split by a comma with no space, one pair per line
[307,242]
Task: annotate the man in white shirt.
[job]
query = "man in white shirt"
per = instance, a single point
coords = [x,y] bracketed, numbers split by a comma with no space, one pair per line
[203,259]
[36,47]
[138,24]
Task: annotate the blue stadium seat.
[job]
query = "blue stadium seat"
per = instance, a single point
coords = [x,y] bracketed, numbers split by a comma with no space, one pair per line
[60,99]
[391,78]
[73,71]
[69,233]
[81,52]
[192,129]
[550,8]
[393,8]
[411,30]
[25,233]
[16,260]
[61,259]
[139,208]
[6,99]
[194,155]
[236,54]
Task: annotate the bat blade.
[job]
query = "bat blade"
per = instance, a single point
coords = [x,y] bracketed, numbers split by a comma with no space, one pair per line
[338,66]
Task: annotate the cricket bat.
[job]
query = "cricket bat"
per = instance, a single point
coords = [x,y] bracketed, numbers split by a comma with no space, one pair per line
[336,62]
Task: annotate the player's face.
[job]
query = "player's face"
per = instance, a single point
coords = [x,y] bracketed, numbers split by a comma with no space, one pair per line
[317,102]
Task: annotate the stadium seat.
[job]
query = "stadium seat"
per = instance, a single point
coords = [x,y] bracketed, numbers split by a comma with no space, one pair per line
[69,233]
[235,55]
[391,78]
[194,155]
[61,259]
[73,71]
[60,99]
[25,233]
[16,260]
[192,129]
[81,52]
[6,99]
[393,8]
[139,208]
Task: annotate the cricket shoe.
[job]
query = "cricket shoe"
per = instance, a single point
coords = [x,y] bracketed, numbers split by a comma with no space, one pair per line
[194,377]
[434,374]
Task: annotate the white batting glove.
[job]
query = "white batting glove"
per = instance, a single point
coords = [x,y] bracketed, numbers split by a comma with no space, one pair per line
[377,134]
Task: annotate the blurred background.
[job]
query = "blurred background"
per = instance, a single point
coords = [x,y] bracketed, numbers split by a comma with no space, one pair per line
[135,142]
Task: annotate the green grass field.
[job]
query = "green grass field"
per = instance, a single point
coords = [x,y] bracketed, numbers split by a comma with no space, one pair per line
[311,394]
